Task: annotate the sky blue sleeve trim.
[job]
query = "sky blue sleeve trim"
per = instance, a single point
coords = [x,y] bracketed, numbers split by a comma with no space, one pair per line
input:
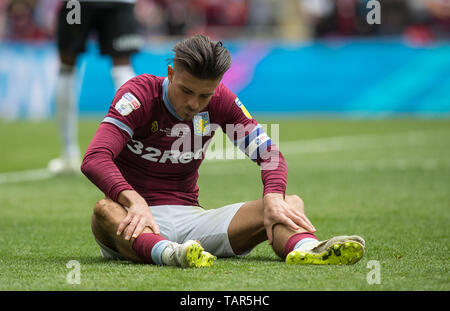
[120,125]
[166,100]
[157,251]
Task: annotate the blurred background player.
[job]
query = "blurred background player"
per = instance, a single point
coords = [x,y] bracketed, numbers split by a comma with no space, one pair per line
[116,27]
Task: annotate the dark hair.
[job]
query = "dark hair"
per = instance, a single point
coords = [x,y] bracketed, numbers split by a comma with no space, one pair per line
[201,57]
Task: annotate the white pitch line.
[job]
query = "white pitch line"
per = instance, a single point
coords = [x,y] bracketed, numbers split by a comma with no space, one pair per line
[21,176]
[400,164]
[352,142]
[311,146]
[336,143]
[427,164]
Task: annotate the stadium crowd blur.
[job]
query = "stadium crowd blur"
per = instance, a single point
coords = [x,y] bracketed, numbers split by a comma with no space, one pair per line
[420,20]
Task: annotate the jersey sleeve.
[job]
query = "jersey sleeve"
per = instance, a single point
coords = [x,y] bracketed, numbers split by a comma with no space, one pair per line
[98,163]
[130,107]
[250,137]
[129,110]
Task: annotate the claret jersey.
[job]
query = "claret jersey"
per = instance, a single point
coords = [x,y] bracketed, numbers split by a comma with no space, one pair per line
[142,144]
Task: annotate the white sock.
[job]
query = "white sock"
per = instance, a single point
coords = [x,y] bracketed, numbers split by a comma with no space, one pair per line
[121,74]
[306,244]
[67,112]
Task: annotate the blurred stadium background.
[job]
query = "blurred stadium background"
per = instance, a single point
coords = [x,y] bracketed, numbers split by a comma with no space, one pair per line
[364,125]
[329,59]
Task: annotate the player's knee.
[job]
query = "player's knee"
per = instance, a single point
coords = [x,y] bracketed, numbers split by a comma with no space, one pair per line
[295,200]
[121,60]
[68,59]
[101,208]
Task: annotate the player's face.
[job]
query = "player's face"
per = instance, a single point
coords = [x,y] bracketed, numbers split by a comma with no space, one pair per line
[187,94]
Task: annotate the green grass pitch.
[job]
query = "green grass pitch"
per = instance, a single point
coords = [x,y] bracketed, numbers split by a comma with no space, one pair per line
[386,180]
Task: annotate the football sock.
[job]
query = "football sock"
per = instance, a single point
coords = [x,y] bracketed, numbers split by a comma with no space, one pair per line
[149,247]
[158,250]
[121,74]
[304,240]
[67,112]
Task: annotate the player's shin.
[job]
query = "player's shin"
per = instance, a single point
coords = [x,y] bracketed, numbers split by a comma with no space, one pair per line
[121,74]
[67,112]
[149,246]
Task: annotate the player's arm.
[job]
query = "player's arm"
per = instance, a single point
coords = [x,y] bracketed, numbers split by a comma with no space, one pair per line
[139,215]
[126,113]
[276,210]
[99,167]
[251,139]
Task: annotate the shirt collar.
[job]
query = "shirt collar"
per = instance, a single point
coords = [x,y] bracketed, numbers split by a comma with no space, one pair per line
[166,100]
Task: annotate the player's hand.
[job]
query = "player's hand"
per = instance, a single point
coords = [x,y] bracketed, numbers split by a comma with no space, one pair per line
[137,219]
[139,215]
[278,211]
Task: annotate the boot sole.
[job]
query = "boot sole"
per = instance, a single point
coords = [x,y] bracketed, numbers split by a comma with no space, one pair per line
[339,253]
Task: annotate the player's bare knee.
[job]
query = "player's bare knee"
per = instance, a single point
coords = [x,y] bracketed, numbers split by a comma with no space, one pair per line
[295,200]
[68,59]
[121,60]
[102,209]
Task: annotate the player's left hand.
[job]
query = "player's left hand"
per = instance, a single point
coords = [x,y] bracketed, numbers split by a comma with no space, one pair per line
[277,210]
[137,219]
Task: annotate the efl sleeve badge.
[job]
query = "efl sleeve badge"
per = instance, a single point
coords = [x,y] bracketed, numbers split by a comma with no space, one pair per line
[127,104]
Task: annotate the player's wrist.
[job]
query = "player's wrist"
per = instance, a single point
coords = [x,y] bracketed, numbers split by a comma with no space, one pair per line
[273,195]
[271,200]
[131,199]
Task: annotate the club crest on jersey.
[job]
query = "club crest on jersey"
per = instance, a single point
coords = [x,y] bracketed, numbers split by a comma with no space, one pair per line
[201,124]
[127,104]
[238,102]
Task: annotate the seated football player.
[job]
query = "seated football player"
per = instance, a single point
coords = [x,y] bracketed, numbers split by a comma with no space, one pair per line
[145,158]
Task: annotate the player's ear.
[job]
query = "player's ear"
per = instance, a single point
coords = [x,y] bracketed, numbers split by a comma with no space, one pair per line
[170,73]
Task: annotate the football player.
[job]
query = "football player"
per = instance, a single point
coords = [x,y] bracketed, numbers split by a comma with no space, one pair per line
[116,28]
[145,157]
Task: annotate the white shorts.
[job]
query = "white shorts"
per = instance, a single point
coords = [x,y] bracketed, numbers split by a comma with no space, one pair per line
[180,223]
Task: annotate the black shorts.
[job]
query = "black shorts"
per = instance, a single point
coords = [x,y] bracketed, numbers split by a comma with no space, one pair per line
[114,23]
